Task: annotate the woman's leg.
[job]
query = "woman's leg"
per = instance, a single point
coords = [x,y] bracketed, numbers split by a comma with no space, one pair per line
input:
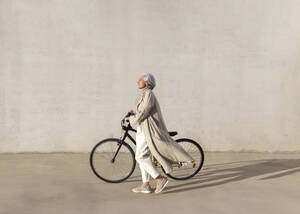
[145,175]
[142,156]
[148,169]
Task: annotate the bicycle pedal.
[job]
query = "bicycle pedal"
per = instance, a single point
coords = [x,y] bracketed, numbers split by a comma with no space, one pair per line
[193,165]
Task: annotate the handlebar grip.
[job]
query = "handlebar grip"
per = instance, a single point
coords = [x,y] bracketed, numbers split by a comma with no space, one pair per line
[128,114]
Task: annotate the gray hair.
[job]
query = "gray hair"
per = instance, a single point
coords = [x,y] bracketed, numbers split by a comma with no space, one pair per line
[149,78]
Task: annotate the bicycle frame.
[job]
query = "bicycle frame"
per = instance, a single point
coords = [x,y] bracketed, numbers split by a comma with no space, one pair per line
[128,128]
[121,141]
[126,134]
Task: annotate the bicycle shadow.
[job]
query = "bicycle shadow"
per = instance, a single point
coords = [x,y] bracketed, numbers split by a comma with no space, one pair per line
[133,179]
[220,174]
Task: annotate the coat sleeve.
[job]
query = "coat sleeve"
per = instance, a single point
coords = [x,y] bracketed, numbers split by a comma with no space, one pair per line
[144,112]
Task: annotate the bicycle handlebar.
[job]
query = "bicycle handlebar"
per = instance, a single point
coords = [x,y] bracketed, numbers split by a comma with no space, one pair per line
[128,126]
[127,115]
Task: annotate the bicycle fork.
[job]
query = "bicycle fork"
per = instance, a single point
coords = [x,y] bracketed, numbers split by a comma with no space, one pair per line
[125,135]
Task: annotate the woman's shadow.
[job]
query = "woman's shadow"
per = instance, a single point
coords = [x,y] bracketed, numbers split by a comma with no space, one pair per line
[219,174]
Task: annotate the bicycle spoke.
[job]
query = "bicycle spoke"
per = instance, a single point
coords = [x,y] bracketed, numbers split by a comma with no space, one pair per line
[102,164]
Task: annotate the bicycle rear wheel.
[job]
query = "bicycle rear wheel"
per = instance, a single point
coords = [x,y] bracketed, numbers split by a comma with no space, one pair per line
[184,171]
[106,167]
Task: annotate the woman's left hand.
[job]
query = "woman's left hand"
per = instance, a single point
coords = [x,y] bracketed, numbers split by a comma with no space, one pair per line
[126,119]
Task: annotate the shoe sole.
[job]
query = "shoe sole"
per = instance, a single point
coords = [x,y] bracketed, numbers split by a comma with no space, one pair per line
[143,191]
[163,187]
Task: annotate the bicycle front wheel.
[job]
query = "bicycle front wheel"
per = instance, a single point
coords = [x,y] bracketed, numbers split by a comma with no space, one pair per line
[111,161]
[183,171]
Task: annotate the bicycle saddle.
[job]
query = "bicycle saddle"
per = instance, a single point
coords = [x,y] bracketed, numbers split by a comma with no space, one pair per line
[173,133]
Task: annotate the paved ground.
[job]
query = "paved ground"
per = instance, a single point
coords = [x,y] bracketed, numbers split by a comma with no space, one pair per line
[229,183]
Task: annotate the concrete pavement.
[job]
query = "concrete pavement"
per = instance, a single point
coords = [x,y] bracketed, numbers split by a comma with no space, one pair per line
[228,183]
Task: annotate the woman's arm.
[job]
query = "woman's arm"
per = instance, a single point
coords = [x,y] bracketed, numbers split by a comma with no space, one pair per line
[144,112]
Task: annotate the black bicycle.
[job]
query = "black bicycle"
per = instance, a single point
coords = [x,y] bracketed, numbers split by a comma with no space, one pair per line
[113,160]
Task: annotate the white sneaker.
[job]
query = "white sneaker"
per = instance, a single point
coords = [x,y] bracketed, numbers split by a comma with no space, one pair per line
[142,189]
[161,184]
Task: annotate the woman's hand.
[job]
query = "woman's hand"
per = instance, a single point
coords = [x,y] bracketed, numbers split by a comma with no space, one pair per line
[130,112]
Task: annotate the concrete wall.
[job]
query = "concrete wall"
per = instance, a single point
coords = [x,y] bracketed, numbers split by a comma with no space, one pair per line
[227,71]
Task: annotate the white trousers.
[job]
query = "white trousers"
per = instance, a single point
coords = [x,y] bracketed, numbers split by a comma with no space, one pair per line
[142,156]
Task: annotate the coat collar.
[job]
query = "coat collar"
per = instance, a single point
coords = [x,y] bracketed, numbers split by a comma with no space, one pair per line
[143,92]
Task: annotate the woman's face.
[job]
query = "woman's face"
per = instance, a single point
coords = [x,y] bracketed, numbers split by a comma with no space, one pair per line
[141,82]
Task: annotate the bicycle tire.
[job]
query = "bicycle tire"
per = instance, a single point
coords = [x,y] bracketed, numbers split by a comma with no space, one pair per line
[100,174]
[200,164]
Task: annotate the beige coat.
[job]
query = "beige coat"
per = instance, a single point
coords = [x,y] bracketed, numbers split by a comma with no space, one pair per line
[164,149]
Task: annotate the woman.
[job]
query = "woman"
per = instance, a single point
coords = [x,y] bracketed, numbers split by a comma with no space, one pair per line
[152,138]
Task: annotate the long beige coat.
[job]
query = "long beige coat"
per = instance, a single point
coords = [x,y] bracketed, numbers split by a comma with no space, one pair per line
[164,149]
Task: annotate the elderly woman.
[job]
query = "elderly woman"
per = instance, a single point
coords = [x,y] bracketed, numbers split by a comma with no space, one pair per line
[152,138]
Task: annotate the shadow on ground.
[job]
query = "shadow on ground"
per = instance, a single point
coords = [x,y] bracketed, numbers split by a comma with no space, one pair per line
[219,174]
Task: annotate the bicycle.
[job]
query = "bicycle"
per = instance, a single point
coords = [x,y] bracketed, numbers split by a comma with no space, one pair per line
[113,160]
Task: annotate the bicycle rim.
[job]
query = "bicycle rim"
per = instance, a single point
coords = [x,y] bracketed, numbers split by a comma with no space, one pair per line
[185,171]
[107,169]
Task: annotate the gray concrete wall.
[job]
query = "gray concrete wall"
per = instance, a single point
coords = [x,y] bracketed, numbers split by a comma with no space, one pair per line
[227,71]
